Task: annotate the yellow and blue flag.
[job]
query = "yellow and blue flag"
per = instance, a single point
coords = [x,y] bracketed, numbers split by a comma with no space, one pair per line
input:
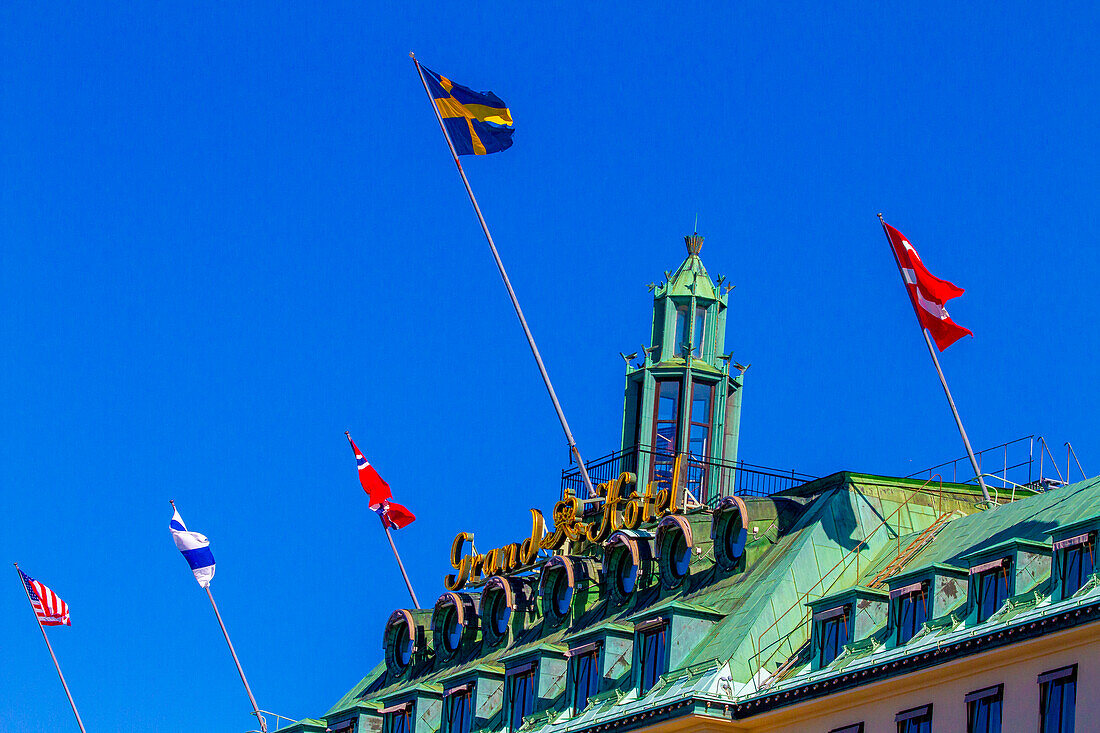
[478,123]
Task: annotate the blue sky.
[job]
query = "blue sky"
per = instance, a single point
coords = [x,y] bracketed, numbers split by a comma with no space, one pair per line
[231,233]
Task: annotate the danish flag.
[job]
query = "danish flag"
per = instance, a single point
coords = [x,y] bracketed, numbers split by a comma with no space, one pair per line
[48,606]
[927,292]
[393,515]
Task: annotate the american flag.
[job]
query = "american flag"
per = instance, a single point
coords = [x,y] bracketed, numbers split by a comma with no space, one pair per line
[48,606]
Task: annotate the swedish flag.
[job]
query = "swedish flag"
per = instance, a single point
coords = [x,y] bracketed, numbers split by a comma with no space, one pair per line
[478,123]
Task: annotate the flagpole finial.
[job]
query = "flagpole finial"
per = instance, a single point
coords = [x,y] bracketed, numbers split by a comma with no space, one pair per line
[412,55]
[880,215]
[172,503]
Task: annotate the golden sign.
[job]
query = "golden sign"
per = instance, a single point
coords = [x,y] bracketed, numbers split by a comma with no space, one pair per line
[623,508]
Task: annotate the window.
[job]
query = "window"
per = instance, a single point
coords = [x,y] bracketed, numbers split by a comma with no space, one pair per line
[700,330]
[1058,700]
[992,589]
[681,329]
[916,720]
[586,675]
[346,726]
[983,710]
[854,728]
[561,593]
[624,572]
[520,690]
[458,712]
[699,426]
[452,630]
[911,608]
[497,614]
[653,637]
[1078,563]
[833,633]
[398,719]
[665,435]
[679,555]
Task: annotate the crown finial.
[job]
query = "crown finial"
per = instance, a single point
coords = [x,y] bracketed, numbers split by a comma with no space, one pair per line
[694,243]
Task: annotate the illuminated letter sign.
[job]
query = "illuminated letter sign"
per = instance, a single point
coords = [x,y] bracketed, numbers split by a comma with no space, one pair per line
[623,508]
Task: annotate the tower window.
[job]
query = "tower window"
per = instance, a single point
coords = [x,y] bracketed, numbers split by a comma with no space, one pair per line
[699,430]
[700,323]
[681,330]
[665,434]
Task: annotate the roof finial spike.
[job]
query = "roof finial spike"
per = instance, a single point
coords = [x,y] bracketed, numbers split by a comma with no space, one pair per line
[695,229]
[694,243]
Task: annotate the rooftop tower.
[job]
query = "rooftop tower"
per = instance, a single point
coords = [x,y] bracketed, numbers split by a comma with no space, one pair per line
[681,399]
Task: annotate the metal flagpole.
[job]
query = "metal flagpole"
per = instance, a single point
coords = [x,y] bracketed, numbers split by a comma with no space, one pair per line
[255,707]
[939,371]
[52,655]
[511,292]
[400,565]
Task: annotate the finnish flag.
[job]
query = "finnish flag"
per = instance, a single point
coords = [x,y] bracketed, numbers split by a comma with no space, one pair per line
[195,548]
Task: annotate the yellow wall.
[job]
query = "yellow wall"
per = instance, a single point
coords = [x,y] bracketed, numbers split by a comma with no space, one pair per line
[945,686]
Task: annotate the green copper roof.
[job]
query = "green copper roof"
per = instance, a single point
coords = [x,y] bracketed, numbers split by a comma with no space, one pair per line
[821,539]
[690,278]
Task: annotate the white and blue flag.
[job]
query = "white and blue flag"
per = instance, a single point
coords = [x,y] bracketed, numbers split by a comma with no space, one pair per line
[195,548]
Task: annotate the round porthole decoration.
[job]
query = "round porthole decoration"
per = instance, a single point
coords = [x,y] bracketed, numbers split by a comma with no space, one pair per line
[556,586]
[729,530]
[675,545]
[454,623]
[399,641]
[626,560]
[498,603]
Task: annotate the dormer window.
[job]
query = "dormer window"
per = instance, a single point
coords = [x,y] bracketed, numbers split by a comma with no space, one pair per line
[584,666]
[833,633]
[398,718]
[653,642]
[519,688]
[910,611]
[1077,562]
[458,711]
[992,584]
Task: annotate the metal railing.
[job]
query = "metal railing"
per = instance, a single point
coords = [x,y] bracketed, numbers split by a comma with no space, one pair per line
[707,480]
[1012,463]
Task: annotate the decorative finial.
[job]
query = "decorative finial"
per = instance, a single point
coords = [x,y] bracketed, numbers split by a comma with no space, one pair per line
[694,243]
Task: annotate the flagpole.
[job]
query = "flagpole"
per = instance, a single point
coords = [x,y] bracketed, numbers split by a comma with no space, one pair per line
[511,293]
[255,707]
[46,639]
[943,379]
[400,564]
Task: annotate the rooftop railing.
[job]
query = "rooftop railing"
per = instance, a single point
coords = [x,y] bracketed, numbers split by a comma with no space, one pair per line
[1021,462]
[707,480]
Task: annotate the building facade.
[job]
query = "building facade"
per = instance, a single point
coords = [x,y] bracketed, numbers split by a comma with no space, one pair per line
[697,592]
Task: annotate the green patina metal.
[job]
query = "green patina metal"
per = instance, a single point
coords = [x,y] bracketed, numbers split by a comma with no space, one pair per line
[844,538]
[688,348]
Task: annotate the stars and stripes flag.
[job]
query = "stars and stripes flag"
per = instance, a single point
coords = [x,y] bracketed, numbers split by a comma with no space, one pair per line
[393,515]
[48,606]
[927,292]
[194,547]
